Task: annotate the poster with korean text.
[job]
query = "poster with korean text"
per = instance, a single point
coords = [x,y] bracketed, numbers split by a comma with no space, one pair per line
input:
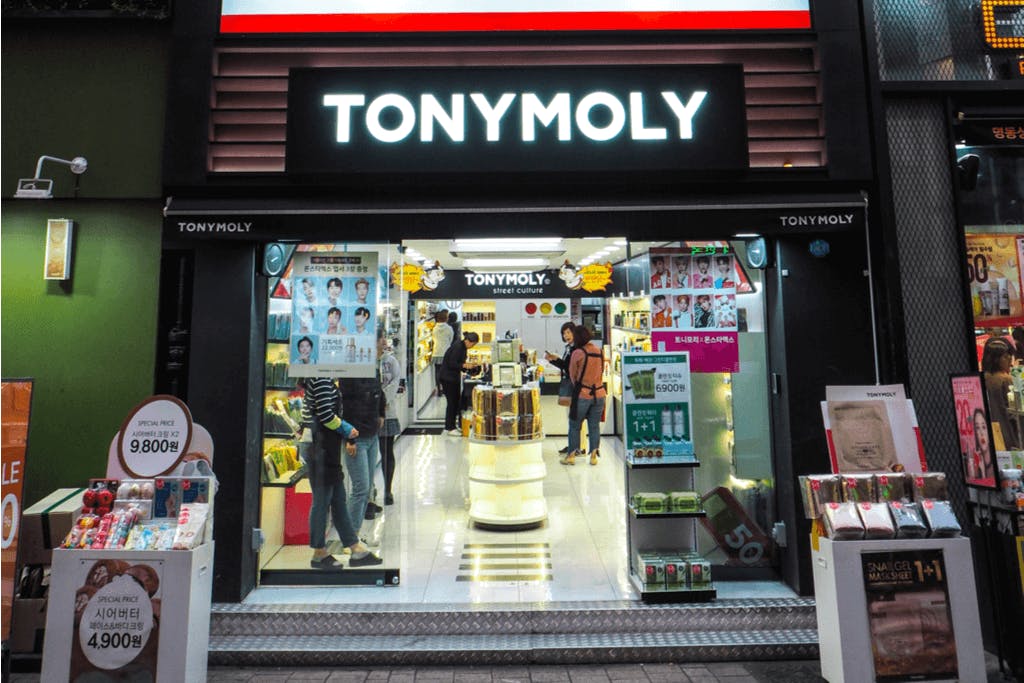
[116,620]
[656,397]
[976,450]
[693,305]
[334,314]
[993,270]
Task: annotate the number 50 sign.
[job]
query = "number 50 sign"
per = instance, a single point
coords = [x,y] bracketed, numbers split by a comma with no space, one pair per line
[154,437]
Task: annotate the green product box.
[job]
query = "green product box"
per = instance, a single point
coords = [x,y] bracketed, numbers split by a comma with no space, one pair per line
[684,501]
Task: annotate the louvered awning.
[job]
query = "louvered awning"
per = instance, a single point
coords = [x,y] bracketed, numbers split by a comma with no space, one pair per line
[785,125]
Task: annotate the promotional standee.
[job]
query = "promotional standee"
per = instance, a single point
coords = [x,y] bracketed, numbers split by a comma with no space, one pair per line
[662,505]
[893,577]
[130,583]
[16,400]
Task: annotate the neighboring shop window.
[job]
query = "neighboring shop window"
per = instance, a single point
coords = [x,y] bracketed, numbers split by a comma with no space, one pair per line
[991,194]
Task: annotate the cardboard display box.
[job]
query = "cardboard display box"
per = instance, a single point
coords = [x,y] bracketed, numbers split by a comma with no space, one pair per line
[28,623]
[45,524]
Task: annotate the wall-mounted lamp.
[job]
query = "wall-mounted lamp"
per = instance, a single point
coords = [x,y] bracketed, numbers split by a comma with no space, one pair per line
[42,188]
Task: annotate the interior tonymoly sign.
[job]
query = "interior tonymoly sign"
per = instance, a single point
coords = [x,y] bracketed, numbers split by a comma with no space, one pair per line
[460,120]
[433,16]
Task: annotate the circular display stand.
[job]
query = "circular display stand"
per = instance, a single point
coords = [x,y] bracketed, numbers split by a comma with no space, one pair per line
[506,483]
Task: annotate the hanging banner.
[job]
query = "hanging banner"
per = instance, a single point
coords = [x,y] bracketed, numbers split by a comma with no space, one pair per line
[591,278]
[693,306]
[413,278]
[912,637]
[16,400]
[334,314]
[116,620]
[656,397]
[459,285]
[993,270]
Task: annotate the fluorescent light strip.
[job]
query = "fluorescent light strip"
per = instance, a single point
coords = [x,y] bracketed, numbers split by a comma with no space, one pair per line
[503,262]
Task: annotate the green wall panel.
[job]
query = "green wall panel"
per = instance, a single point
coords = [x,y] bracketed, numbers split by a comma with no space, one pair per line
[96,89]
[90,347]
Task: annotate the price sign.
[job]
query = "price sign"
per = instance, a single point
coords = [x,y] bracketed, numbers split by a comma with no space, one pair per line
[116,617]
[154,437]
[656,397]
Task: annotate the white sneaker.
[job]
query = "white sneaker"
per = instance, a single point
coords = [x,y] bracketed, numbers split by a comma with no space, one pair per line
[454,432]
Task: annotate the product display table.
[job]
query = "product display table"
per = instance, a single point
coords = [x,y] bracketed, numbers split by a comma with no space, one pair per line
[506,482]
[133,615]
[887,601]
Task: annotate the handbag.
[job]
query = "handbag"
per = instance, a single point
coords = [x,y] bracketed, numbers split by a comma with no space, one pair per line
[564,392]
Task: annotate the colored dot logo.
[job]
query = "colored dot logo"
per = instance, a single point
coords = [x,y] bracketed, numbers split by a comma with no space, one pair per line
[531,308]
[545,308]
[560,308]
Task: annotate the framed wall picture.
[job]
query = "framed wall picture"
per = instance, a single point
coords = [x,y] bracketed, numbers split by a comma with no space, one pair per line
[59,234]
[974,430]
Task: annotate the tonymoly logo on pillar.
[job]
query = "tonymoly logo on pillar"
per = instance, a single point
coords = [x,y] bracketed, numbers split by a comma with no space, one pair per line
[463,120]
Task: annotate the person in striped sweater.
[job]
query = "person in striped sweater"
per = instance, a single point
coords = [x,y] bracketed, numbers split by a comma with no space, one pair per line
[321,414]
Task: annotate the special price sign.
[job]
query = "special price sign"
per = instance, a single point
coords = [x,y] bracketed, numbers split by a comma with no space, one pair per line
[976,449]
[154,437]
[117,610]
[656,398]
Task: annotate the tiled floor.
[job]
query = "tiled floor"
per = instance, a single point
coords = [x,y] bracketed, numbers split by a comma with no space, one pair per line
[428,535]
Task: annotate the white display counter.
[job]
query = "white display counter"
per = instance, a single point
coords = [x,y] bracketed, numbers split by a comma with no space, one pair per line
[142,615]
[506,482]
[848,647]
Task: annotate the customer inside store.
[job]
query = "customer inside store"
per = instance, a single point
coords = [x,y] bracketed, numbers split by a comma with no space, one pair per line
[452,366]
[588,399]
[562,363]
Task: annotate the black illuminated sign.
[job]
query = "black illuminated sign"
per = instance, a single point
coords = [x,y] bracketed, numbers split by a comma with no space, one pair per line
[562,119]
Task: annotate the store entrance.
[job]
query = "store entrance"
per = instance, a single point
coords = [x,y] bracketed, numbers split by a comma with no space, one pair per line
[494,497]
[653,288]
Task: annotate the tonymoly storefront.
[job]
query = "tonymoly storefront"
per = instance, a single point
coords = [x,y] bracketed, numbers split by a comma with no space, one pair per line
[672,180]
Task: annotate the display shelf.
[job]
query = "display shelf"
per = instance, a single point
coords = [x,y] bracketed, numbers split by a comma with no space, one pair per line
[527,473]
[633,330]
[278,342]
[664,461]
[277,435]
[288,479]
[661,593]
[843,613]
[280,388]
[489,512]
[654,515]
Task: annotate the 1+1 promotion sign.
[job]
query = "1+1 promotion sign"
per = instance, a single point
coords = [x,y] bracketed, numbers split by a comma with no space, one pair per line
[527,119]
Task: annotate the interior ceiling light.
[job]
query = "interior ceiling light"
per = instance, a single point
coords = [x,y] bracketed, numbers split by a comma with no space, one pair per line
[620,243]
[505,262]
[552,246]
[610,248]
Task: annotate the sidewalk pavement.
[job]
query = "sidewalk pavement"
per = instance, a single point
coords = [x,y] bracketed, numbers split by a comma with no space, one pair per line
[804,671]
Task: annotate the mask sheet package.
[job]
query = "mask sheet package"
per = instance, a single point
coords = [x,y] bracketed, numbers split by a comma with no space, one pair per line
[842,522]
[908,520]
[941,518]
[650,502]
[817,490]
[893,487]
[859,488]
[876,520]
[930,486]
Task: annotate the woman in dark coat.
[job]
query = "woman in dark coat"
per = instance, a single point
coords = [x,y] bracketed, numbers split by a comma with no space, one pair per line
[450,374]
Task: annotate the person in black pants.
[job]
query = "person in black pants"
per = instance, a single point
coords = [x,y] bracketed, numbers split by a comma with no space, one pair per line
[564,385]
[452,365]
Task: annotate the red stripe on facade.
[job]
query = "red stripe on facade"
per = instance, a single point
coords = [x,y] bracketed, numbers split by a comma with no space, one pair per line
[514,21]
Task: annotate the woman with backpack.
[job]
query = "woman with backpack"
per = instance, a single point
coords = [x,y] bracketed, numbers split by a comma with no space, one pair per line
[586,367]
[564,385]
